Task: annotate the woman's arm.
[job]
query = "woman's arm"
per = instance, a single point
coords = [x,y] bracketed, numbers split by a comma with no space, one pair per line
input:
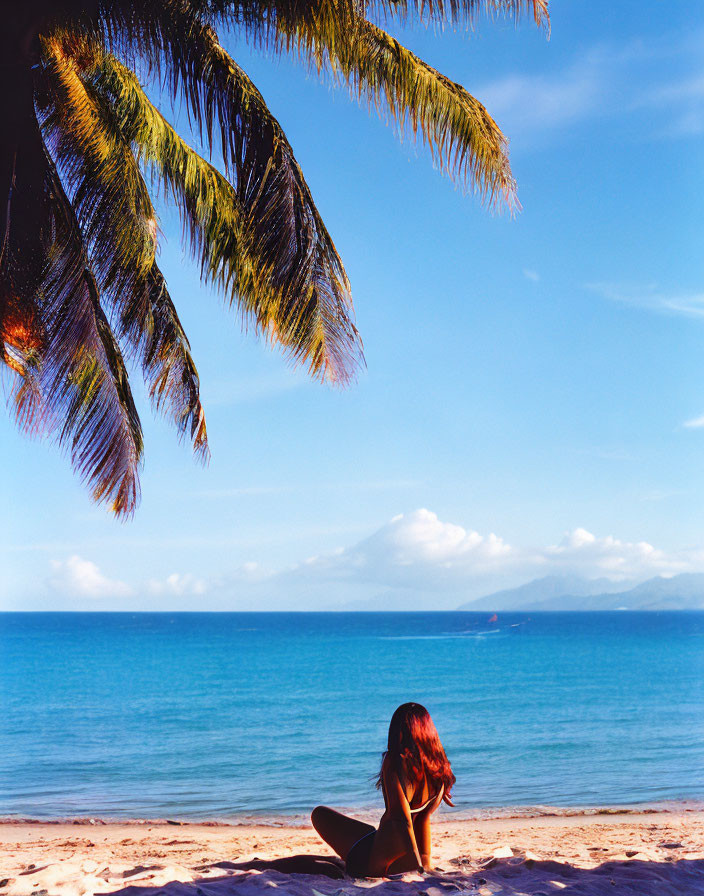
[422,831]
[400,812]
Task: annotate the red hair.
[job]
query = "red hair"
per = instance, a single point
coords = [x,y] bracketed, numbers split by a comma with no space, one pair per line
[415,750]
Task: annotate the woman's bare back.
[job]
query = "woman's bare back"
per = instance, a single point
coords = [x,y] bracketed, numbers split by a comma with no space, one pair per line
[402,840]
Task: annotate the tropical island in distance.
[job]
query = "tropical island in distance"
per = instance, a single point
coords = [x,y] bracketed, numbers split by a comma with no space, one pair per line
[680,592]
[556,593]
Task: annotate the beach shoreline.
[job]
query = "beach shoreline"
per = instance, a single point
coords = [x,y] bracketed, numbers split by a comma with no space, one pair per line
[371,814]
[77,858]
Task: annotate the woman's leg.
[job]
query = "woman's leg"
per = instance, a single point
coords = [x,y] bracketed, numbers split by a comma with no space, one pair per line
[338,830]
[302,864]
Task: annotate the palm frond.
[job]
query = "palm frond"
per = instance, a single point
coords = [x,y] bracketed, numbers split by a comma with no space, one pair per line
[267,14]
[260,239]
[460,11]
[68,252]
[464,139]
[119,222]
[20,349]
[73,380]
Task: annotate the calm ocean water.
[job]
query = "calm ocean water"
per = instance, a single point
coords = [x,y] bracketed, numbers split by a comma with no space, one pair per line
[223,715]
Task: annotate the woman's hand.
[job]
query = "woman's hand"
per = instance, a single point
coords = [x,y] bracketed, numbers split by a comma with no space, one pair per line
[432,806]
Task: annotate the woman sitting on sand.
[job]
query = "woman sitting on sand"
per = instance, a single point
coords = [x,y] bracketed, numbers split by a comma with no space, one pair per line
[415,777]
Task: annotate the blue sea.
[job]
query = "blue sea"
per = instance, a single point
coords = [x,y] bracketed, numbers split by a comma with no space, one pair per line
[223,716]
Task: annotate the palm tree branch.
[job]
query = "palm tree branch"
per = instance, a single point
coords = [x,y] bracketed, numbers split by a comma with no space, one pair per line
[86,372]
[464,139]
[260,239]
[456,12]
[74,381]
[264,18]
[116,214]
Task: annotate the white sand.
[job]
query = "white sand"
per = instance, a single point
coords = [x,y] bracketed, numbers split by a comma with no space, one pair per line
[639,855]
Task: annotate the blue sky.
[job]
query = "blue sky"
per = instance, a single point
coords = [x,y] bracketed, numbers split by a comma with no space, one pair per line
[534,393]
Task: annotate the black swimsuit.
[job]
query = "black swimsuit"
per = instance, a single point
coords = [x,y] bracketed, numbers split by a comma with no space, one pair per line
[357,862]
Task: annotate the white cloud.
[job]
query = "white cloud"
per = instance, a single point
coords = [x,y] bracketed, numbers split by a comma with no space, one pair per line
[651,297]
[688,89]
[177,584]
[583,553]
[606,81]
[686,96]
[83,578]
[417,551]
[533,276]
[663,494]
[414,550]
[249,573]
[255,388]
[416,560]
[535,102]
[422,537]
[694,423]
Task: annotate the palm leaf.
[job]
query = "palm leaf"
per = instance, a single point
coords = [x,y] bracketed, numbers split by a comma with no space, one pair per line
[73,380]
[117,217]
[460,11]
[268,15]
[260,239]
[464,139]
[255,230]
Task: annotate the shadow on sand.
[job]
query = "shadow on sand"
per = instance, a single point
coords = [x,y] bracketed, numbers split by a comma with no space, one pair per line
[501,877]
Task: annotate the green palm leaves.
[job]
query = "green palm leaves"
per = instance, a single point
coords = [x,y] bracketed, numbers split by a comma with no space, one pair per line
[84,146]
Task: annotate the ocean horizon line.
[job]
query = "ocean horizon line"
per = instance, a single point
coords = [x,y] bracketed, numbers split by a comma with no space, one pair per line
[335,612]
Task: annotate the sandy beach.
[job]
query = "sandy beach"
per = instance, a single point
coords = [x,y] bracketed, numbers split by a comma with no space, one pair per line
[649,853]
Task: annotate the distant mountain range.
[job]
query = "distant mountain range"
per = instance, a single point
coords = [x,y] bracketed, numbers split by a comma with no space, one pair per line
[683,592]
